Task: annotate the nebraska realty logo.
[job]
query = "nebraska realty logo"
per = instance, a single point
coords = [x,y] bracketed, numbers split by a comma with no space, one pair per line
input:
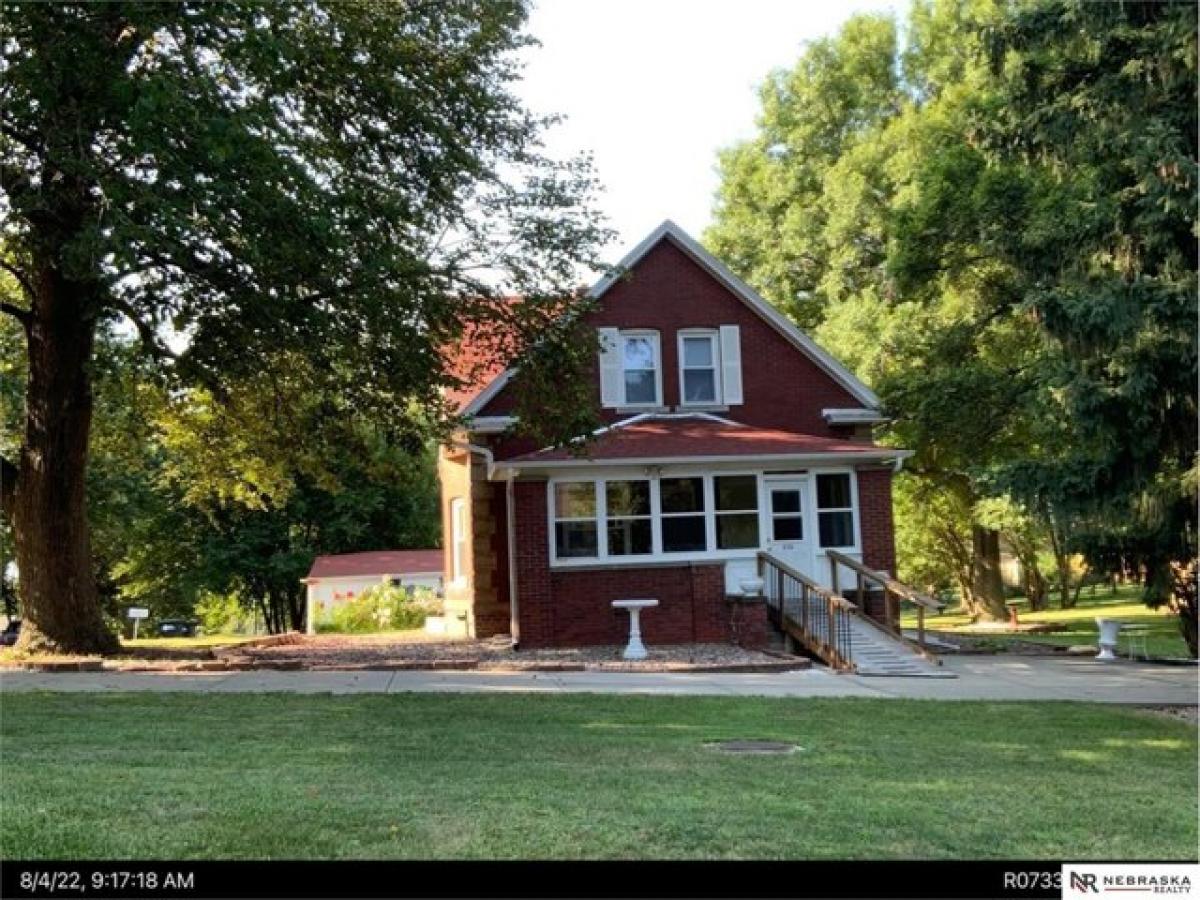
[1084,880]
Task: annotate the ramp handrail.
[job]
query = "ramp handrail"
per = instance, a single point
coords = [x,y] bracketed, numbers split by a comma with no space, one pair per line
[816,617]
[891,587]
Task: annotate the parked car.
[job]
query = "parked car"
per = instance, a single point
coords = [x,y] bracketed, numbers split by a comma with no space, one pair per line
[176,628]
[11,632]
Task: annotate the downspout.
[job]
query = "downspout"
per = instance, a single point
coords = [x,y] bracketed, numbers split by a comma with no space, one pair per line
[510,515]
[489,459]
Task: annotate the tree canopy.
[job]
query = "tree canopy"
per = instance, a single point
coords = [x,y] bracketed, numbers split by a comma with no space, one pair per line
[999,234]
[243,185]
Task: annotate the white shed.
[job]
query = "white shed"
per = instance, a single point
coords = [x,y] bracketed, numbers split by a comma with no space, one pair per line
[346,575]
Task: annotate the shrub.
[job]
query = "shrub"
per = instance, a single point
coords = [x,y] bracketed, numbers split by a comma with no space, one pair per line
[224,614]
[380,608]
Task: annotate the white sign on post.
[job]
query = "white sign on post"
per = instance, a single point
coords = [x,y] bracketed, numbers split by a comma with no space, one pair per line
[137,613]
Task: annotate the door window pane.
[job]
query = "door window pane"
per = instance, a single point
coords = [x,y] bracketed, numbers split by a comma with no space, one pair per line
[785,501]
[788,528]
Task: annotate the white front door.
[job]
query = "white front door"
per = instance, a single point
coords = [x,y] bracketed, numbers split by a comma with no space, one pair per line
[787,523]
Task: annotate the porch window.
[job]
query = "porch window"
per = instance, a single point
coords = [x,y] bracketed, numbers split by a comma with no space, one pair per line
[627,504]
[736,511]
[699,365]
[835,510]
[683,520]
[639,360]
[575,532]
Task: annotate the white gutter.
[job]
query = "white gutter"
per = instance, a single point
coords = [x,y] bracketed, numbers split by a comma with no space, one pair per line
[853,416]
[490,424]
[861,456]
[488,458]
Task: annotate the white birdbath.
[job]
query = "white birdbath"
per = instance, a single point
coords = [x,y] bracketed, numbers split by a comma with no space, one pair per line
[635,649]
[1109,629]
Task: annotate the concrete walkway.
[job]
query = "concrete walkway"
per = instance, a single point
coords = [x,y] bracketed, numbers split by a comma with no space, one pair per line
[979,678]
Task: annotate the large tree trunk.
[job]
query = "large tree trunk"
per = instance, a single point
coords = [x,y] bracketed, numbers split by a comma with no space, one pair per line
[1185,601]
[987,587]
[1062,564]
[47,499]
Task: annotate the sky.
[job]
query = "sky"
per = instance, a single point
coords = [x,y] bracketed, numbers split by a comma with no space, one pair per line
[655,88]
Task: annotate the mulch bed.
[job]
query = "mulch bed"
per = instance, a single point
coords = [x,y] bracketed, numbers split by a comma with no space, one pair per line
[418,651]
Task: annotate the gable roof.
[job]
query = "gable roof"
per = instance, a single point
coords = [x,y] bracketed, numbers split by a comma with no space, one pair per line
[378,562]
[655,437]
[668,230]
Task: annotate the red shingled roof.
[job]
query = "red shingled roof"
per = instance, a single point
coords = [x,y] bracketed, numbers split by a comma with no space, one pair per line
[377,562]
[664,437]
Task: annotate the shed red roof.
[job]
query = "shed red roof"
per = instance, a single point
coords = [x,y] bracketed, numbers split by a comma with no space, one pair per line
[378,562]
[678,436]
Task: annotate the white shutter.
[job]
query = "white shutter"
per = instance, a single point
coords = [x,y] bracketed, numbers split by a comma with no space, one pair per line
[611,372]
[731,365]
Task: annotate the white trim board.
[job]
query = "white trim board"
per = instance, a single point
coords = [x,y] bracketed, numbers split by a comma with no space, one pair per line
[747,294]
[871,456]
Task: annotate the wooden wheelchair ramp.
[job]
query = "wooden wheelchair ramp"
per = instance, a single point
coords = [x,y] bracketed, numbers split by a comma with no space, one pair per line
[837,631]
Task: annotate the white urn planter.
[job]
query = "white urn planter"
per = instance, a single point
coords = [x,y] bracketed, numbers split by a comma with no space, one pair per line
[1110,629]
[752,586]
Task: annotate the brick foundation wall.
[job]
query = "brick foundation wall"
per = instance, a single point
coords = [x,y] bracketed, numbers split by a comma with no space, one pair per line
[573,608]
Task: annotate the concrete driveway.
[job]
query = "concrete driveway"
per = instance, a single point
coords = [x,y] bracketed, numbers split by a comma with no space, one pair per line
[978,678]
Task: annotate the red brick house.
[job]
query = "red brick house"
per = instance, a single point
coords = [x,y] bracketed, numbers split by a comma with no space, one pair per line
[728,431]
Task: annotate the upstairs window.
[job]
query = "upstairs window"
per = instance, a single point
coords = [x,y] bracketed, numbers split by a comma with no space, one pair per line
[630,368]
[699,368]
[639,365]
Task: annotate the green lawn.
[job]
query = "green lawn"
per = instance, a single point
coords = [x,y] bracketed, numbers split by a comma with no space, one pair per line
[1163,639]
[495,776]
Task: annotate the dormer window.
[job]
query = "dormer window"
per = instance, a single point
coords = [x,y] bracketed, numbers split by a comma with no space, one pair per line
[639,354]
[630,368]
[699,368]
